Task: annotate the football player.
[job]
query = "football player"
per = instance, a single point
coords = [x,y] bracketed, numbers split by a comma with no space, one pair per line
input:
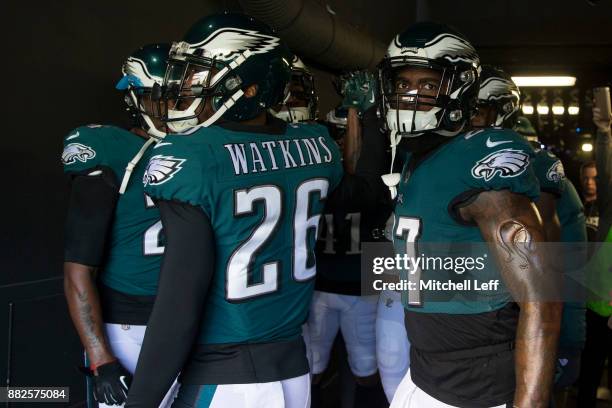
[240,202]
[458,187]
[301,103]
[111,238]
[564,221]
[337,303]
[559,206]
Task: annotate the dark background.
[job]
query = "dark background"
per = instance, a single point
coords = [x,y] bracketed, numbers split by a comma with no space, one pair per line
[62,59]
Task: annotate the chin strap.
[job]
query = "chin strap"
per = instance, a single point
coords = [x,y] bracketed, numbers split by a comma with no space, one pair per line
[391,179]
[130,167]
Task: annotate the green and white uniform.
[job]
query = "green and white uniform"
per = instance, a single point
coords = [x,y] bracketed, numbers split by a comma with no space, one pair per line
[263,194]
[135,246]
[455,323]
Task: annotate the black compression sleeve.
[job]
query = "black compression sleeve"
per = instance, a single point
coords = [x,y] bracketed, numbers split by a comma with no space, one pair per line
[91,208]
[186,273]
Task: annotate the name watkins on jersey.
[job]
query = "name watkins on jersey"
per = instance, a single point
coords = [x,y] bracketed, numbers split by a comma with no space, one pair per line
[248,158]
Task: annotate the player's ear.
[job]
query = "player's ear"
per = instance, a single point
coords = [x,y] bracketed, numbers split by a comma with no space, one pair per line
[250,91]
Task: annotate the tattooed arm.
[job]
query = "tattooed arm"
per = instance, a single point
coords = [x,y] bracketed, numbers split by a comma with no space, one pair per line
[85,311]
[547,207]
[510,224]
[93,196]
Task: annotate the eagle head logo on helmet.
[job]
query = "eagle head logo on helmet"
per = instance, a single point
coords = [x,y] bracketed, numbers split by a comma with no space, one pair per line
[497,89]
[218,59]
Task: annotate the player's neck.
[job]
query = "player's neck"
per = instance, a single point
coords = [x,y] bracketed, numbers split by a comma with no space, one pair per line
[590,197]
[258,120]
[140,132]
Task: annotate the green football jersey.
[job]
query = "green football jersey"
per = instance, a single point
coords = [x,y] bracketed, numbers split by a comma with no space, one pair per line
[551,175]
[425,212]
[136,242]
[549,171]
[263,194]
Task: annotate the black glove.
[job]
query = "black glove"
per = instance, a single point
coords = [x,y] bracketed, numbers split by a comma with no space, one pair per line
[111,384]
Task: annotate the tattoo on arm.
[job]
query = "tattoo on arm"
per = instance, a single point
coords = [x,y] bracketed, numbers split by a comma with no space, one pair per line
[512,227]
[85,311]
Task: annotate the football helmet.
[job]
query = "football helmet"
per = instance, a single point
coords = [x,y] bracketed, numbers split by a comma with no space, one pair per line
[429,84]
[217,59]
[497,90]
[143,74]
[443,105]
[301,103]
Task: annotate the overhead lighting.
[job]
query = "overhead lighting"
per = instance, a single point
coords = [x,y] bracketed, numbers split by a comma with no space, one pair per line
[543,110]
[527,109]
[587,147]
[558,110]
[523,81]
[573,110]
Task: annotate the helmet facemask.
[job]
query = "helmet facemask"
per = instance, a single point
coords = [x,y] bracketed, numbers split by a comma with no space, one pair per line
[300,103]
[498,93]
[196,86]
[142,96]
[431,105]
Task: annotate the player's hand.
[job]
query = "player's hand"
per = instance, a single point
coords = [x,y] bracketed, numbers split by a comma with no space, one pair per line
[601,121]
[111,383]
[359,90]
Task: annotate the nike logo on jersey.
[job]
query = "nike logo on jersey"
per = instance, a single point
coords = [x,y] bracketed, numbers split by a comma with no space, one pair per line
[160,144]
[491,144]
[73,136]
[372,99]
[507,163]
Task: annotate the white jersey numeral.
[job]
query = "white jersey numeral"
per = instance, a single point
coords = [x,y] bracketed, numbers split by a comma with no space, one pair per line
[240,265]
[330,239]
[409,229]
[152,236]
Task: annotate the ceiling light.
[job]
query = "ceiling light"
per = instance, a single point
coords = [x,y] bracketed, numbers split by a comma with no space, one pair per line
[527,109]
[558,110]
[543,109]
[573,110]
[587,147]
[524,81]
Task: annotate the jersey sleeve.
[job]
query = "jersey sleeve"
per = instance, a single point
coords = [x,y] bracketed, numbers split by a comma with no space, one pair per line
[337,171]
[84,149]
[550,173]
[500,160]
[174,172]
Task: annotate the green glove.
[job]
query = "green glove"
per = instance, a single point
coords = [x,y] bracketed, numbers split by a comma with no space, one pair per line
[359,90]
